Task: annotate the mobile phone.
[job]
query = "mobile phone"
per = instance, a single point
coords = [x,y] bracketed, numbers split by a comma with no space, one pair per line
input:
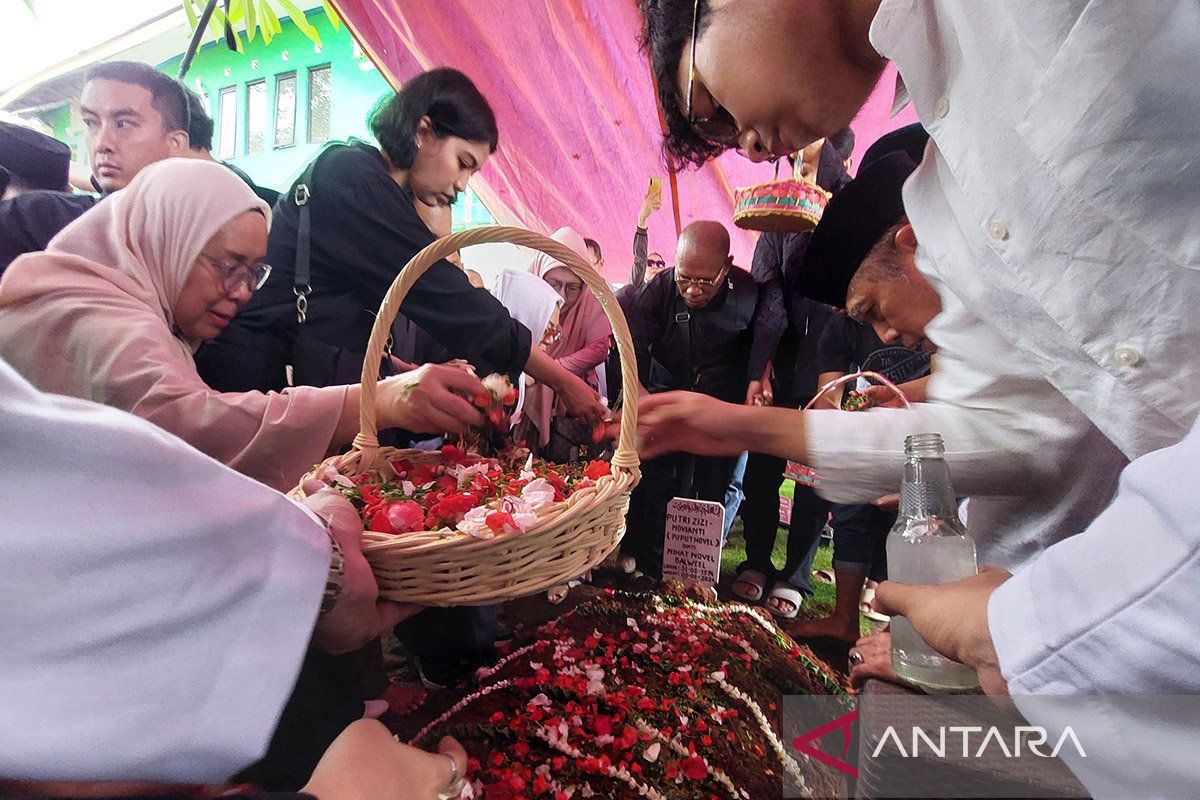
[656,187]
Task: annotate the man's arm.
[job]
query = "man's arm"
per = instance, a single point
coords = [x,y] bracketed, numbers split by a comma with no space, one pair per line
[637,274]
[650,203]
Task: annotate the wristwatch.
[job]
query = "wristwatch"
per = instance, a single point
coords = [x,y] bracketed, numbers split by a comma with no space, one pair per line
[337,571]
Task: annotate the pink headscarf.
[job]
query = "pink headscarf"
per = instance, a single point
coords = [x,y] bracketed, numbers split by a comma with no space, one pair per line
[91,317]
[585,336]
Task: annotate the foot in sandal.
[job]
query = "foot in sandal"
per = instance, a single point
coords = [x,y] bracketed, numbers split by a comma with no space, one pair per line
[784,601]
[749,585]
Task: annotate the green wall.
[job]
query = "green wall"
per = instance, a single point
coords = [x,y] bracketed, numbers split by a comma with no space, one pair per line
[356,86]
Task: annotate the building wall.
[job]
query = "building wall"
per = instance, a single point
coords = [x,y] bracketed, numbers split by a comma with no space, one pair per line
[355,86]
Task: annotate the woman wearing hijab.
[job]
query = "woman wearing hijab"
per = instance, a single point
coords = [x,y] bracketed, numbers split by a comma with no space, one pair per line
[532,302]
[193,635]
[582,346]
[113,310]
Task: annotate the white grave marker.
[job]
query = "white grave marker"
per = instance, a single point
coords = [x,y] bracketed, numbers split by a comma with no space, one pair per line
[692,541]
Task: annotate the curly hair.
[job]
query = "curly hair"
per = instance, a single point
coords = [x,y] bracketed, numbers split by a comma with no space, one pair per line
[454,105]
[668,27]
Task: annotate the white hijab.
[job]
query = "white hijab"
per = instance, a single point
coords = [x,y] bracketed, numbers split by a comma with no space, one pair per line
[157,604]
[531,302]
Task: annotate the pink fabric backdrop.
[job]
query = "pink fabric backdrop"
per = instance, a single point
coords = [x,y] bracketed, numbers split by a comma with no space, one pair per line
[579,131]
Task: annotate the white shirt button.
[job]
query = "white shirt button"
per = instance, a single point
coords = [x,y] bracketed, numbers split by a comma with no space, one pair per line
[998,230]
[942,107]
[1126,356]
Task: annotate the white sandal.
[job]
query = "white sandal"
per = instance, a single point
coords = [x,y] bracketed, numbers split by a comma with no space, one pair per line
[750,577]
[786,594]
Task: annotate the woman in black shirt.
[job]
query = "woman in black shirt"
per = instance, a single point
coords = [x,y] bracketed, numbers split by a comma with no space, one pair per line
[434,134]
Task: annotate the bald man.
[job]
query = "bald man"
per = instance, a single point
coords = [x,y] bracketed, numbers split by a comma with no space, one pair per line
[693,328]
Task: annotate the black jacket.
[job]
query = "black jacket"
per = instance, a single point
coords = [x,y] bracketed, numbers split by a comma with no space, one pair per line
[29,221]
[703,350]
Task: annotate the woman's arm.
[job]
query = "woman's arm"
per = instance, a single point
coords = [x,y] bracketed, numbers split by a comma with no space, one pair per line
[587,357]
[580,399]
[429,399]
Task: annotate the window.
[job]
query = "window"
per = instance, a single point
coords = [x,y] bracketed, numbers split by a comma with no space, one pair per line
[285,110]
[227,141]
[320,103]
[256,117]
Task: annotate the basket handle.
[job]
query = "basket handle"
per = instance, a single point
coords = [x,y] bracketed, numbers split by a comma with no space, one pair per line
[367,440]
[836,382]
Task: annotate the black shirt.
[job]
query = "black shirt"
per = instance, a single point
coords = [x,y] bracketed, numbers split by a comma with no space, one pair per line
[703,350]
[364,229]
[29,221]
[849,346]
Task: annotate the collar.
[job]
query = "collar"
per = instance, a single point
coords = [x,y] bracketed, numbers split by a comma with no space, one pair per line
[887,35]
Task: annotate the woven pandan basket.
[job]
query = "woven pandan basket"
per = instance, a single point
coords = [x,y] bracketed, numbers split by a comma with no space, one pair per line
[780,206]
[450,568]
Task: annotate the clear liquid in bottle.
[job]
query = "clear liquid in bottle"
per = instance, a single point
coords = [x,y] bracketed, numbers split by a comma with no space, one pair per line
[928,545]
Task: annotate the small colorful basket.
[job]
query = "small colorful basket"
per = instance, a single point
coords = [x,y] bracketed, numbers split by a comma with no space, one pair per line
[780,206]
[451,568]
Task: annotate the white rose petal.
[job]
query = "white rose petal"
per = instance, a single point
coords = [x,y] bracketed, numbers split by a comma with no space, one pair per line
[652,752]
[474,523]
[538,493]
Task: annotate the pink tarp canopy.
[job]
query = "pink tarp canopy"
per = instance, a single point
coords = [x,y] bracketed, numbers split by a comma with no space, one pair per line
[579,129]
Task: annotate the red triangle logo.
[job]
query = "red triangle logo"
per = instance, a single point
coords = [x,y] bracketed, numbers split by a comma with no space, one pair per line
[807,743]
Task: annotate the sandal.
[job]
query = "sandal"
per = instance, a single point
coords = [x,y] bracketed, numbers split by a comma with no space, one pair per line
[752,578]
[785,593]
[824,575]
[864,606]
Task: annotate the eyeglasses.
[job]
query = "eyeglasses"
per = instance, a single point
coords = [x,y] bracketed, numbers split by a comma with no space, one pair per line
[699,283]
[656,263]
[719,126]
[235,273]
[564,288]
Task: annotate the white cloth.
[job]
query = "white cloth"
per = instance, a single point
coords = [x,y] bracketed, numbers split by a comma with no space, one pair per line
[1035,468]
[1060,199]
[1112,611]
[530,301]
[156,604]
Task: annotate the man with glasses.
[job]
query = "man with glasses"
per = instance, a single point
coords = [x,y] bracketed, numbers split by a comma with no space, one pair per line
[693,328]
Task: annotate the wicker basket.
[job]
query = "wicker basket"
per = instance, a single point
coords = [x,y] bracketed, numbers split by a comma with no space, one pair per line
[450,568]
[780,206]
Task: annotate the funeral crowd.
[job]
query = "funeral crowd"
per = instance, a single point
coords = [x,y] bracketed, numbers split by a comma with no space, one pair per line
[179,346]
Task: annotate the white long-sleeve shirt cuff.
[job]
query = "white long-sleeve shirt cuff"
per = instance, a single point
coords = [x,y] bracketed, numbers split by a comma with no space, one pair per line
[859,456]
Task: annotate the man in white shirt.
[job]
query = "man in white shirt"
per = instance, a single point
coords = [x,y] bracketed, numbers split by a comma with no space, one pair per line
[1058,210]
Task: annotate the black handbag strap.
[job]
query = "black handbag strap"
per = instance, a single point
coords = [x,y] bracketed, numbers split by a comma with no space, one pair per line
[302,197]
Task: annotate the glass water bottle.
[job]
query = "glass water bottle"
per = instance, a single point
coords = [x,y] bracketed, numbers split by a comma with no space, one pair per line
[928,545]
